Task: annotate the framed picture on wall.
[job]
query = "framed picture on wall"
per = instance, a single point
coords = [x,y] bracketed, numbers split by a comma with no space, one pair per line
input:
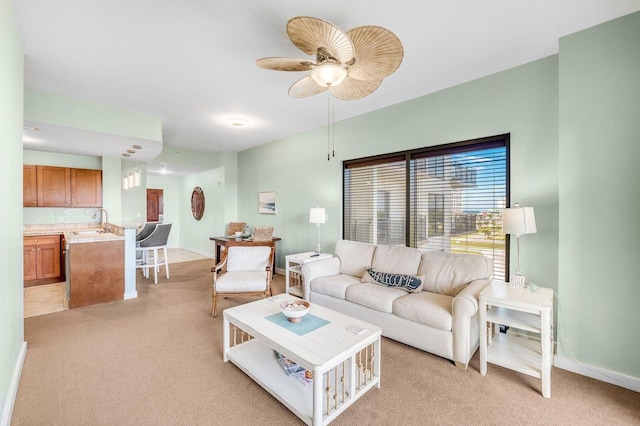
[267,202]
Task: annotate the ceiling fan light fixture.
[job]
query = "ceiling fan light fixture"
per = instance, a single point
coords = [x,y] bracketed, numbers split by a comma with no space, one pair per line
[328,75]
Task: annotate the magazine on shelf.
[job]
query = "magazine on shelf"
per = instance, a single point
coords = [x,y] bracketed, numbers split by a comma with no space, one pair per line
[294,370]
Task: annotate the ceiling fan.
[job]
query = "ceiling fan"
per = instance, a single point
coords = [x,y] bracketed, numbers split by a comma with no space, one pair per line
[351,65]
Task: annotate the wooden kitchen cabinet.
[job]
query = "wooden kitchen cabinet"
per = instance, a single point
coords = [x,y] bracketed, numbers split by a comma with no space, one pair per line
[61,187]
[86,188]
[29,186]
[54,186]
[42,257]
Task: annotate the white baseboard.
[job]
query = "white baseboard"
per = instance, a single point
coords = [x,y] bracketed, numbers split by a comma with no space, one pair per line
[7,410]
[130,295]
[200,252]
[597,373]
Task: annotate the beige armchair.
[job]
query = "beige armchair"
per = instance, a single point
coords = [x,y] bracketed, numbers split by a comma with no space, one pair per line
[243,271]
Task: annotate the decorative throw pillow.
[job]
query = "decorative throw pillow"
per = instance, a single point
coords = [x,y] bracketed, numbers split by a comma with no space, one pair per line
[408,283]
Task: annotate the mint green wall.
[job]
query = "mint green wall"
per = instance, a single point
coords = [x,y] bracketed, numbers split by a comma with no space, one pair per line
[134,200]
[62,160]
[11,302]
[194,234]
[111,186]
[599,175]
[54,109]
[522,101]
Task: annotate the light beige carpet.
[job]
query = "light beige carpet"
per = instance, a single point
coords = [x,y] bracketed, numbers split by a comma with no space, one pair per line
[157,360]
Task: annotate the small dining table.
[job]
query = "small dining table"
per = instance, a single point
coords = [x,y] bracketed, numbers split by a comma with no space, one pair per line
[233,241]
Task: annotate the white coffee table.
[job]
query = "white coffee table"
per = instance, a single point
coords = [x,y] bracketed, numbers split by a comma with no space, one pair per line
[345,365]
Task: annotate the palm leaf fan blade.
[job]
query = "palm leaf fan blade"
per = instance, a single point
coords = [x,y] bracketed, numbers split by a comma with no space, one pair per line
[305,87]
[378,52]
[284,64]
[309,34]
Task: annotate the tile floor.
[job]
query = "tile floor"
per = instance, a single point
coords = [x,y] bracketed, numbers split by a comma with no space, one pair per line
[44,299]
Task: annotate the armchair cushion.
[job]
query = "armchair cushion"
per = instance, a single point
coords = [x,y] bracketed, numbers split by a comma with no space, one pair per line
[242,281]
[248,258]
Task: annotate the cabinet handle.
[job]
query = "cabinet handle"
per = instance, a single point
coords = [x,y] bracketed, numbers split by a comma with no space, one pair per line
[33,202]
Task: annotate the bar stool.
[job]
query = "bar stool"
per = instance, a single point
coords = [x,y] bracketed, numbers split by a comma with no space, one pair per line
[148,248]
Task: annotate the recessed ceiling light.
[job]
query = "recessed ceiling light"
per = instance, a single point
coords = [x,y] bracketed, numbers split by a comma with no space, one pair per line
[137,147]
[237,121]
[126,154]
[131,151]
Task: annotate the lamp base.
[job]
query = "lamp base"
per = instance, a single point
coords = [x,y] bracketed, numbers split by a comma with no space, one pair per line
[516,280]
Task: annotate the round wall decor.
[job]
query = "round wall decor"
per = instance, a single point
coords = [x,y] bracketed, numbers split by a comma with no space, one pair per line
[197,203]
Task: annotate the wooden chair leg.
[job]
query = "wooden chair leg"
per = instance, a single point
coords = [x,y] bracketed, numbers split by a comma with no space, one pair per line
[214,306]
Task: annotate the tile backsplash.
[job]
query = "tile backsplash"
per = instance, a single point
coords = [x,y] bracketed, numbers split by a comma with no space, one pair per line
[47,215]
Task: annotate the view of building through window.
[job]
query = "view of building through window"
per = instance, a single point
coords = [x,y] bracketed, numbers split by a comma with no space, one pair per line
[447,198]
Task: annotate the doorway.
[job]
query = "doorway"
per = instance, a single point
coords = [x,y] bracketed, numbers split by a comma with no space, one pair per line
[155,204]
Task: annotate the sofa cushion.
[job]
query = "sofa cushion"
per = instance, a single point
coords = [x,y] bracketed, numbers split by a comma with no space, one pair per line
[427,308]
[448,273]
[374,296]
[397,259]
[355,257]
[334,285]
[408,283]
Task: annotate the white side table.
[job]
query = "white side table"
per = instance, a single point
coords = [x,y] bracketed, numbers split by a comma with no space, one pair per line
[294,262]
[521,309]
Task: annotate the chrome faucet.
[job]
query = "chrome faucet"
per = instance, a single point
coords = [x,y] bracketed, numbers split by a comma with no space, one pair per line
[104,219]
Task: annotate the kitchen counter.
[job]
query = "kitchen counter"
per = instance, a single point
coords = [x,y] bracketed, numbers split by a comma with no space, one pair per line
[89,272]
[79,232]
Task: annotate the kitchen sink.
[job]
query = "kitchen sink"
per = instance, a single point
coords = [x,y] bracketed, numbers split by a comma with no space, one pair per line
[89,232]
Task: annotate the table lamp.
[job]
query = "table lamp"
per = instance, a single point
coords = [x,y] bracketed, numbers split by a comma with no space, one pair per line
[518,221]
[317,216]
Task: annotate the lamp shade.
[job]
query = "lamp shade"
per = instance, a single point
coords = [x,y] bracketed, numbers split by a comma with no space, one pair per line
[316,215]
[328,74]
[519,221]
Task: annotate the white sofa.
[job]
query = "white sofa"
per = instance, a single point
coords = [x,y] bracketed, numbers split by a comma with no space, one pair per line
[441,317]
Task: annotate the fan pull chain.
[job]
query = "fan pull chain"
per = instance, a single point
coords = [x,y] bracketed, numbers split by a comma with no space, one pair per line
[331,128]
[328,126]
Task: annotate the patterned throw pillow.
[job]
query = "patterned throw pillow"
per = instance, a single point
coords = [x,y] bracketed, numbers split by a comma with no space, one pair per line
[408,283]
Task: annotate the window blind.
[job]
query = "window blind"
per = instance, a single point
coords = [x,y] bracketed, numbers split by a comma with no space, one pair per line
[444,198]
[375,209]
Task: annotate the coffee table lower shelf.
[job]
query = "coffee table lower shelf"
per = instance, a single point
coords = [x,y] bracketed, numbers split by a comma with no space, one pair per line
[345,365]
[258,361]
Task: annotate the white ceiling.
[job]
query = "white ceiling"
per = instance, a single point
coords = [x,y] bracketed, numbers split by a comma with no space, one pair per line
[191,62]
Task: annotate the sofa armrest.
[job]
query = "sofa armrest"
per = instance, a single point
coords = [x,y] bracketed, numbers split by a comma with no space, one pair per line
[319,268]
[465,324]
